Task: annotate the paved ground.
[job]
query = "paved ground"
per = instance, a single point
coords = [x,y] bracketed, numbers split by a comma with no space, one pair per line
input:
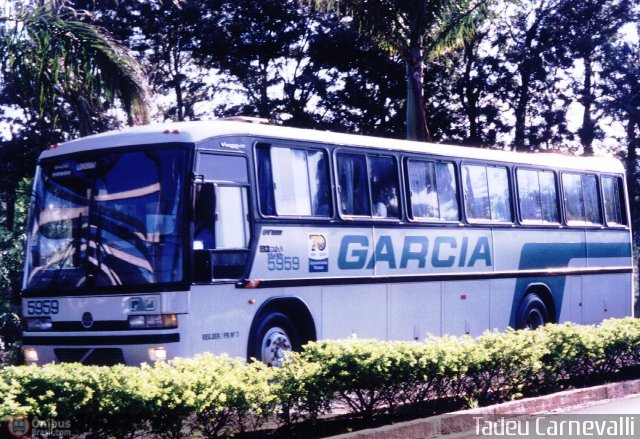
[616,398]
[628,405]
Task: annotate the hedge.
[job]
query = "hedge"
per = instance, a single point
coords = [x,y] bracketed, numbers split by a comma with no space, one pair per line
[211,396]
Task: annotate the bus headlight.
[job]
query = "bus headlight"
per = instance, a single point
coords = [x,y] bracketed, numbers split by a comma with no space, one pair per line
[151,321]
[158,354]
[30,355]
[38,323]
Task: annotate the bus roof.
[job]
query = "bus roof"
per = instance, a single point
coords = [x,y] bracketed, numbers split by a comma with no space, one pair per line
[197,131]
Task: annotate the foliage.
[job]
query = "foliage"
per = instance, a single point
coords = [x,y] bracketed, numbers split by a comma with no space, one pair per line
[209,396]
[11,261]
[54,58]
[414,31]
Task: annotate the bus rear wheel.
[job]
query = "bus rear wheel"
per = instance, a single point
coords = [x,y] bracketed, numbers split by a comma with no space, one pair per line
[532,313]
[275,335]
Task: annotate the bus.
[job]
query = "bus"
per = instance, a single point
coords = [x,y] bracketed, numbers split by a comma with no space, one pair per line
[250,239]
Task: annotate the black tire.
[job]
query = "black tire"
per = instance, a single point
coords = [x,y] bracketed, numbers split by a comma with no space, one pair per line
[274,334]
[532,313]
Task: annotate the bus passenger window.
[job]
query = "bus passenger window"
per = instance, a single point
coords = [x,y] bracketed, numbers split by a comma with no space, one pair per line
[384,187]
[353,186]
[293,182]
[368,186]
[581,199]
[433,190]
[486,193]
[265,181]
[537,196]
[318,165]
[612,191]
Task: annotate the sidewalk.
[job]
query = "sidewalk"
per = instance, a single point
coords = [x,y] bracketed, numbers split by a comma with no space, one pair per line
[462,423]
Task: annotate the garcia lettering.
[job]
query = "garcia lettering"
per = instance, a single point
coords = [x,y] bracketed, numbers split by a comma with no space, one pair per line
[356,252]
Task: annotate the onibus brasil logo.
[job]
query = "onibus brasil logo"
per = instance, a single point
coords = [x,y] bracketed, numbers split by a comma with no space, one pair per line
[19,426]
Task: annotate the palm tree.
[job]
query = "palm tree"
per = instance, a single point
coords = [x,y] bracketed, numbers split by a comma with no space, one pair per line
[64,74]
[416,31]
[58,61]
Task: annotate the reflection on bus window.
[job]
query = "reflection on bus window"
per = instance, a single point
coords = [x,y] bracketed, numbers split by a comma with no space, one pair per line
[433,190]
[486,193]
[581,199]
[293,182]
[537,196]
[108,220]
[612,191]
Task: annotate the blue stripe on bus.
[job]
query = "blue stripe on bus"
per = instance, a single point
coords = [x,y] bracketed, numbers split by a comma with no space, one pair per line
[537,256]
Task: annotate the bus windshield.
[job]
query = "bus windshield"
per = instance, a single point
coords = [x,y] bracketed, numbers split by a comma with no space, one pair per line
[108,220]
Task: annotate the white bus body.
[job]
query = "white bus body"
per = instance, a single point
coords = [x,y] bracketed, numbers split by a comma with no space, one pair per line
[248,239]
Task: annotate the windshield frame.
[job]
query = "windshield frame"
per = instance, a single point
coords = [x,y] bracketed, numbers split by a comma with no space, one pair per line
[183,214]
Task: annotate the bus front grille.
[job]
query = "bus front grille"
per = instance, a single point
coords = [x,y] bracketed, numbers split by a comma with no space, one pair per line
[90,357]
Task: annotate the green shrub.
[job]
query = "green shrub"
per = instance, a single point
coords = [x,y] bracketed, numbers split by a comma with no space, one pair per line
[300,389]
[363,374]
[209,396]
[503,366]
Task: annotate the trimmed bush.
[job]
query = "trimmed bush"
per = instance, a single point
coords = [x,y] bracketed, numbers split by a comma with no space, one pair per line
[209,396]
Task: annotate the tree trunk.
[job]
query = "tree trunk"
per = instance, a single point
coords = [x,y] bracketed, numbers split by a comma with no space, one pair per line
[416,114]
[587,131]
[469,97]
[519,140]
[179,100]
[633,185]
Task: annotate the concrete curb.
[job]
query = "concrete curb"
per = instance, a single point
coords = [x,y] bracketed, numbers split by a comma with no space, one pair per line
[463,421]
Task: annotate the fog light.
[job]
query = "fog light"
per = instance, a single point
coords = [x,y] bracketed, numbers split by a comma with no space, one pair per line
[30,355]
[158,354]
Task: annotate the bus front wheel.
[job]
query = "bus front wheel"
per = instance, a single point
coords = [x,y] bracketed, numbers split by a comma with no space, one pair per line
[532,312]
[275,335]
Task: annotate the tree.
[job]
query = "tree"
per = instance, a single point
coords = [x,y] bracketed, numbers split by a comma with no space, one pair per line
[358,87]
[585,27]
[527,40]
[621,86]
[59,62]
[261,48]
[63,74]
[417,31]
[163,35]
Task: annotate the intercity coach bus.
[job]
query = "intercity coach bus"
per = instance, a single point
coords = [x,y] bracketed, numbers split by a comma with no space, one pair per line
[250,239]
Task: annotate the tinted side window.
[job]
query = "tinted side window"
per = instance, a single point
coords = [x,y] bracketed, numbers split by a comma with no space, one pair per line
[368,185]
[353,185]
[293,182]
[612,191]
[383,178]
[432,187]
[486,193]
[581,199]
[537,196]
